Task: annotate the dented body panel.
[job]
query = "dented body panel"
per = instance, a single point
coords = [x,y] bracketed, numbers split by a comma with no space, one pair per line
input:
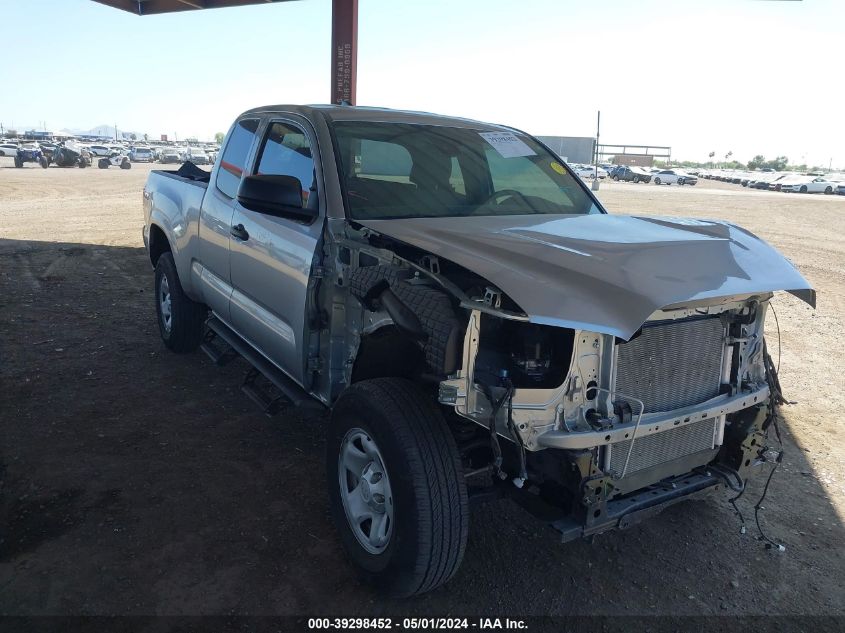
[604,273]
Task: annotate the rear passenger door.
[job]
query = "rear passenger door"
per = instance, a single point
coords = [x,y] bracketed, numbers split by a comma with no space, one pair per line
[271,261]
[218,206]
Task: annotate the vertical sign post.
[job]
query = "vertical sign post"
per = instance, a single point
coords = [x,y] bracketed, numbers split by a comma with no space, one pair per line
[344,51]
[595,185]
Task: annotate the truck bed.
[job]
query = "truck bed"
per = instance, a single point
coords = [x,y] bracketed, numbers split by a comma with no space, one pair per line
[188,172]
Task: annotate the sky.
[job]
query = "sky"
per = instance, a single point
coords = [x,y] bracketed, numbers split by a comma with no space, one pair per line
[746,76]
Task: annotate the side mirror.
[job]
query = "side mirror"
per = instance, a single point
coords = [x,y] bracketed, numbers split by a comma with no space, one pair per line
[274,195]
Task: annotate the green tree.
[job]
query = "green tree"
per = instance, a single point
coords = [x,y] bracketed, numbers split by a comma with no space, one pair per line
[779,163]
[219,137]
[758,161]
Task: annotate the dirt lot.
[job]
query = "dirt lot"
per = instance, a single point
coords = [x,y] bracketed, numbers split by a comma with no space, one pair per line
[138,482]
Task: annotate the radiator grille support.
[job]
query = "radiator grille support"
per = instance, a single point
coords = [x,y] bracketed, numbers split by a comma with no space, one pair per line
[671,365]
[658,448]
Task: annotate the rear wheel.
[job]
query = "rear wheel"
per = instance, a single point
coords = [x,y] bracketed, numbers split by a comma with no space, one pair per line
[396,487]
[616,178]
[103,163]
[44,162]
[181,321]
[126,164]
[657,181]
[680,181]
[18,162]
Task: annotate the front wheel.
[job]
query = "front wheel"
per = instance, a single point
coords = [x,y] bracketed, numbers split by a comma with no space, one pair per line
[44,162]
[396,487]
[657,181]
[103,163]
[18,162]
[181,321]
[803,188]
[828,190]
[126,165]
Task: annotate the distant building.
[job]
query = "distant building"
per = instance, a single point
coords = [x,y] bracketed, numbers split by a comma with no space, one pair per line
[572,149]
[38,135]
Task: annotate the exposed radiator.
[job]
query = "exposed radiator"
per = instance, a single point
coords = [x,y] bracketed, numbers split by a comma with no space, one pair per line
[662,447]
[672,365]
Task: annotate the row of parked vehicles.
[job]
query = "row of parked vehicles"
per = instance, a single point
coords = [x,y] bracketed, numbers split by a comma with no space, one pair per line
[785,181]
[74,154]
[626,173]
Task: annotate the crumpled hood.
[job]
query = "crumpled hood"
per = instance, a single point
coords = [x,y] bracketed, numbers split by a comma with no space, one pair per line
[604,273]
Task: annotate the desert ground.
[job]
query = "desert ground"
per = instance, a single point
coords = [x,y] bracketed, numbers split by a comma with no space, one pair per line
[135,481]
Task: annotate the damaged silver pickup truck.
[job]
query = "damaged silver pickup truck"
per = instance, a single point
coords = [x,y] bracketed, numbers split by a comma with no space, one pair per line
[476,321]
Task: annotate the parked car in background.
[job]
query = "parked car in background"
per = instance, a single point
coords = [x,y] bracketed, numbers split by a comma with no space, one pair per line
[815,185]
[674,177]
[840,189]
[197,156]
[170,155]
[99,150]
[9,150]
[630,174]
[141,155]
[787,180]
[589,171]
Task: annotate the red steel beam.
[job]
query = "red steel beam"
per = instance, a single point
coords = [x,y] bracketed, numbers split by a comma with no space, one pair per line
[344,51]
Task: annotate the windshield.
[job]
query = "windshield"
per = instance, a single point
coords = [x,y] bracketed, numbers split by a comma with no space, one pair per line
[402,170]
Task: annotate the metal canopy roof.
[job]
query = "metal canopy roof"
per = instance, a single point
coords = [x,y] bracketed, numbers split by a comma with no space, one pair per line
[344,70]
[151,7]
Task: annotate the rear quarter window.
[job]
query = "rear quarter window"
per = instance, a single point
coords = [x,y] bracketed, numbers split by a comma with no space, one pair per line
[233,162]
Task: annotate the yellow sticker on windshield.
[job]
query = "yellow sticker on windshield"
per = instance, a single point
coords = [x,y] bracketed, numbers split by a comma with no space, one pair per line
[558,168]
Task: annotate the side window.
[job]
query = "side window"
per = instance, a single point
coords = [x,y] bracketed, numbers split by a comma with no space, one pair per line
[456,178]
[233,161]
[287,152]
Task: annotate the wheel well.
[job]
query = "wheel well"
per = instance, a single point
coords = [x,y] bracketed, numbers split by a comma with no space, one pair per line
[158,244]
[388,353]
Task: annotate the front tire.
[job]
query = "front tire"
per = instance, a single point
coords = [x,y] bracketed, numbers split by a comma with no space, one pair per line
[396,488]
[828,190]
[181,321]
[657,181]
[803,188]
[44,162]
[18,162]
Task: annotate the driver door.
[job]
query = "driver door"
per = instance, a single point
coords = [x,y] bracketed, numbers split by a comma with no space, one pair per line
[272,255]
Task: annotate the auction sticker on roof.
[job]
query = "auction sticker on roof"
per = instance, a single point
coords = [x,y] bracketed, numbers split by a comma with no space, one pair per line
[508,145]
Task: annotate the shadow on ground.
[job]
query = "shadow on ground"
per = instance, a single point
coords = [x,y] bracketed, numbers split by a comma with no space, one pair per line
[135,481]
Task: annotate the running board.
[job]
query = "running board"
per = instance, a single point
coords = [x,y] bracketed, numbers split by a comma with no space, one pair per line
[291,393]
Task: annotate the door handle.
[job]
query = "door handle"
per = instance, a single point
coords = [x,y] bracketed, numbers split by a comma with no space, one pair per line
[239,232]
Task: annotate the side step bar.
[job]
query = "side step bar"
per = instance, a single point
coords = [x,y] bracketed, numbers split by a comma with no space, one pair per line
[291,393]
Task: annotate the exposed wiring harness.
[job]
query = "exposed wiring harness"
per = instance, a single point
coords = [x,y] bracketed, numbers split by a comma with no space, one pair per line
[497,404]
[776,399]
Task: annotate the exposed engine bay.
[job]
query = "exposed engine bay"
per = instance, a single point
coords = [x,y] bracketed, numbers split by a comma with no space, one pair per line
[589,422]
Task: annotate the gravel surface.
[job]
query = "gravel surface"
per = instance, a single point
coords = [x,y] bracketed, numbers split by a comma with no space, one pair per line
[135,481]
